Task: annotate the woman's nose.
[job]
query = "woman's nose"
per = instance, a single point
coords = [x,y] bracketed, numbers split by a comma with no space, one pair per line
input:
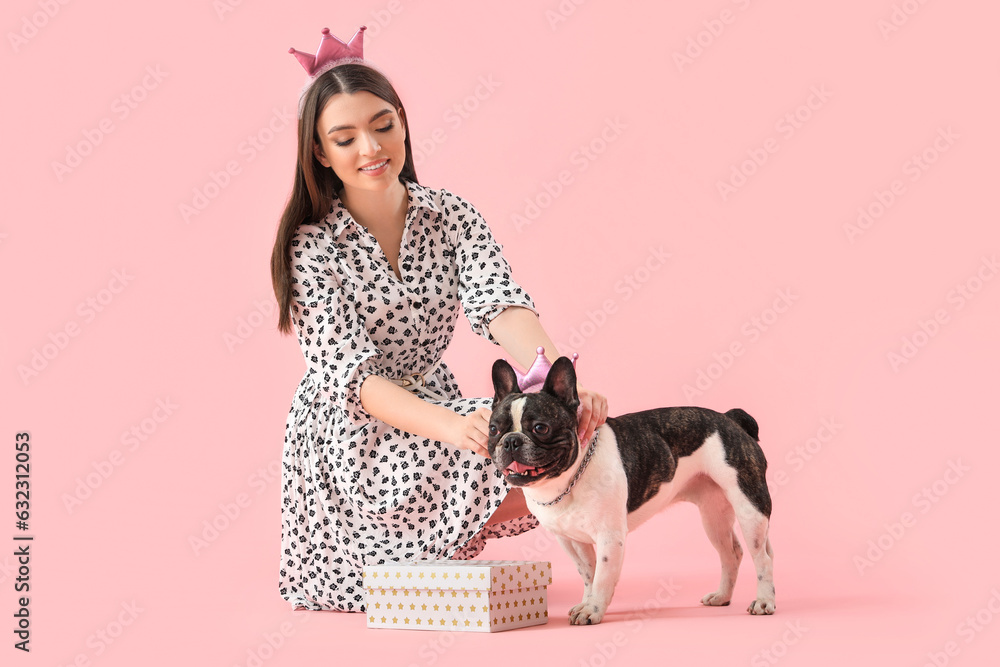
[369,144]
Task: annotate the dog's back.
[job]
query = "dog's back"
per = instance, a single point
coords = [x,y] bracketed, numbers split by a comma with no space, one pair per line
[652,442]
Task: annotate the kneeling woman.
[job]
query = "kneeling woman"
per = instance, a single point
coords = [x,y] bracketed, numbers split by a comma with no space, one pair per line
[383,458]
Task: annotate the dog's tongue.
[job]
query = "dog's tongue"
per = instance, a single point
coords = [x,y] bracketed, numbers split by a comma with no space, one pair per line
[518,467]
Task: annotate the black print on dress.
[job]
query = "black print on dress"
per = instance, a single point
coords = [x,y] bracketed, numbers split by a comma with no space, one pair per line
[355,490]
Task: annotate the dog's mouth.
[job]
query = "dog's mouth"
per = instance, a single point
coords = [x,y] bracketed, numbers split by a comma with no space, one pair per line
[520,470]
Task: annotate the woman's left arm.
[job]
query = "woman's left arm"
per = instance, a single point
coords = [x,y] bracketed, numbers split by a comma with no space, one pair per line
[520,333]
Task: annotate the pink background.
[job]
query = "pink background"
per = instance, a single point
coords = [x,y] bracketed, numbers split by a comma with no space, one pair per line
[853,438]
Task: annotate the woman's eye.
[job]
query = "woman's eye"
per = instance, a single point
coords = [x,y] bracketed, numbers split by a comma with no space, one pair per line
[381,129]
[541,429]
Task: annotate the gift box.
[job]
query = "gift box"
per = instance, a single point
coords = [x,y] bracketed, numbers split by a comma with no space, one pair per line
[457,595]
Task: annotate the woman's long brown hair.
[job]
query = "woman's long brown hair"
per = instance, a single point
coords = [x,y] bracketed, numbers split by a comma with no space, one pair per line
[315,186]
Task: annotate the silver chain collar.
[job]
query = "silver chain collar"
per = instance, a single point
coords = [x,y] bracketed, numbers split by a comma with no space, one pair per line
[579,471]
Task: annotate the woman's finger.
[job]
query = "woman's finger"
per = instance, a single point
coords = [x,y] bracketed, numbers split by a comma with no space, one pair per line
[586,412]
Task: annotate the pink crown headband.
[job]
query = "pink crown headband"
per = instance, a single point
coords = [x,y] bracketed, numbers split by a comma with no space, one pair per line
[534,378]
[332,51]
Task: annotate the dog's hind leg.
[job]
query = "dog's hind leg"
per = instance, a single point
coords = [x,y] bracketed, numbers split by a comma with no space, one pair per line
[755,527]
[754,523]
[718,517]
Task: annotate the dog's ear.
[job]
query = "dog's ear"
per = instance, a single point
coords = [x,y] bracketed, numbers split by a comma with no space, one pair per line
[561,382]
[504,381]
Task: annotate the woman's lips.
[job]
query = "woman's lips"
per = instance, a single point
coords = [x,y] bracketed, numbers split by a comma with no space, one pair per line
[378,169]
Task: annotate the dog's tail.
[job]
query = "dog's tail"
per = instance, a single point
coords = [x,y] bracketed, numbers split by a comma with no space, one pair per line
[746,422]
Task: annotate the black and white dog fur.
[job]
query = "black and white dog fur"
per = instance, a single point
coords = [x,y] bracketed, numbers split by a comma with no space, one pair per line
[642,462]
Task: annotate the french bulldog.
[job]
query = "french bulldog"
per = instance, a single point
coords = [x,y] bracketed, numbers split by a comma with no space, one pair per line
[636,465]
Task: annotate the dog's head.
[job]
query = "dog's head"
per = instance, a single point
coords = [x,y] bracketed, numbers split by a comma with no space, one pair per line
[533,436]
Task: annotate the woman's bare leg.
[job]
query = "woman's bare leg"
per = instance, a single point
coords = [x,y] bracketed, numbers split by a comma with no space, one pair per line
[512,507]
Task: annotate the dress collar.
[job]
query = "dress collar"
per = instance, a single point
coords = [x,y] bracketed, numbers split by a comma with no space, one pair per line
[420,197]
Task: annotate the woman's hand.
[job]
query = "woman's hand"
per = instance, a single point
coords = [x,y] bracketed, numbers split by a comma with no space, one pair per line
[593,413]
[472,431]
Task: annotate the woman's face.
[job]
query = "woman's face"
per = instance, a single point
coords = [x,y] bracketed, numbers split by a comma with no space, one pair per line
[361,138]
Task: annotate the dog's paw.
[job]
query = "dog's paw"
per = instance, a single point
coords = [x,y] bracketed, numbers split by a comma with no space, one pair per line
[717,599]
[586,613]
[761,607]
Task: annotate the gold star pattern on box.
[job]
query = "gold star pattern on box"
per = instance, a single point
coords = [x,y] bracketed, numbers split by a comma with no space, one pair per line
[489,595]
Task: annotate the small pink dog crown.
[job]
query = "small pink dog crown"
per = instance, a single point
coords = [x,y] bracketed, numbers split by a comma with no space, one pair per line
[534,378]
[331,51]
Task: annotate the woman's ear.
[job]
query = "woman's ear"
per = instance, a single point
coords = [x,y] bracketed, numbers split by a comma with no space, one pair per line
[318,152]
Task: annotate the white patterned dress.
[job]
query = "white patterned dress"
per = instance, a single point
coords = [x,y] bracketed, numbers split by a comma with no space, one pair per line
[355,490]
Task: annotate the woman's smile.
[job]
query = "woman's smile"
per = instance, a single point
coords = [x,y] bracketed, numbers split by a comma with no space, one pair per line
[375,168]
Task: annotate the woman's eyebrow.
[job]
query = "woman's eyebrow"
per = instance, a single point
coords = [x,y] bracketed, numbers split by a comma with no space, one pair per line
[351,127]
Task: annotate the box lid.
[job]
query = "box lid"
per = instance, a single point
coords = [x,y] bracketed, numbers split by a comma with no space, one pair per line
[458,574]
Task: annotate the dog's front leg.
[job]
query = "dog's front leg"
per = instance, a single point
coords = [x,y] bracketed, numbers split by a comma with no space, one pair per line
[610,553]
[585,559]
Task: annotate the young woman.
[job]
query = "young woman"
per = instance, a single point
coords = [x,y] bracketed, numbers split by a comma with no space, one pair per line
[383,458]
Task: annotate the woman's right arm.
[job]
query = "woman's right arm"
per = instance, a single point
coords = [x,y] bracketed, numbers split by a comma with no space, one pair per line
[337,347]
[398,407]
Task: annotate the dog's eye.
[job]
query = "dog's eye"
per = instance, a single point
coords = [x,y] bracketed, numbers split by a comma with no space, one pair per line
[541,429]
[493,430]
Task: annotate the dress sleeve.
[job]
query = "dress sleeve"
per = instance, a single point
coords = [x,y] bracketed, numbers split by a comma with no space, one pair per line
[334,340]
[486,283]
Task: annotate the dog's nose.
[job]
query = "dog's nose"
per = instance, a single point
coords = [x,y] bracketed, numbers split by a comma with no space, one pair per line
[511,442]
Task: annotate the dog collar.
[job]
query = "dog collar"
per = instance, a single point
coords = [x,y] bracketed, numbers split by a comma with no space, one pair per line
[579,471]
